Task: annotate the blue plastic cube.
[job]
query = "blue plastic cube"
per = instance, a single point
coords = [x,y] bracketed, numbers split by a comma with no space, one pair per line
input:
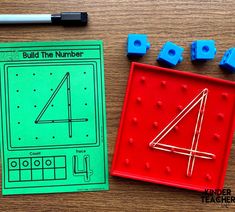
[137,45]
[170,54]
[228,60]
[203,50]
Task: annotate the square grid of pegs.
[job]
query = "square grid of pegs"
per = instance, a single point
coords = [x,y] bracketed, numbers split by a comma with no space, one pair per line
[176,128]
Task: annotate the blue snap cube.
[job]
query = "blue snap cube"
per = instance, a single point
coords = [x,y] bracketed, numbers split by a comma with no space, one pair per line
[170,54]
[228,60]
[137,45]
[203,50]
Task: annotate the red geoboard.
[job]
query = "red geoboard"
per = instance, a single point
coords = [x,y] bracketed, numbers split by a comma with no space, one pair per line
[176,128]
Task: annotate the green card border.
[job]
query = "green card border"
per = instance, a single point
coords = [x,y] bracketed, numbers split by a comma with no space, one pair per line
[57,43]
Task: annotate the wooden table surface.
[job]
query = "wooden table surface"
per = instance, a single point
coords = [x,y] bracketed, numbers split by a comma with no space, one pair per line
[111,20]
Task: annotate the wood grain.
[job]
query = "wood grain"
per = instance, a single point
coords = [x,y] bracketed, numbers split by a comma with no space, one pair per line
[111,20]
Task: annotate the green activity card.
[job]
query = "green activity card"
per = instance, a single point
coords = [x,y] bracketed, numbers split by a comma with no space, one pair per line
[53,117]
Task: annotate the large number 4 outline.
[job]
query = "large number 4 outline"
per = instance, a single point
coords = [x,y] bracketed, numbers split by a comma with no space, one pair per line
[69,119]
[192,153]
[82,171]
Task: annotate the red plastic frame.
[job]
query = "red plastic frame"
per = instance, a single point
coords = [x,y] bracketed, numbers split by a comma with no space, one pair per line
[154,97]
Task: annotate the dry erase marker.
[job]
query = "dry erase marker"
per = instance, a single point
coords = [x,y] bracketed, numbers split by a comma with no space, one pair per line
[64,18]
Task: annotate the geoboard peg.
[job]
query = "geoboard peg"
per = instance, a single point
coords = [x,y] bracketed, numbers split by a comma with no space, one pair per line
[202,111]
[155,125]
[208,177]
[168,169]
[176,128]
[163,84]
[179,108]
[143,79]
[224,96]
[131,141]
[197,133]
[220,116]
[147,165]
[138,100]
[134,120]
[216,137]
[159,104]
[127,162]
[184,87]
